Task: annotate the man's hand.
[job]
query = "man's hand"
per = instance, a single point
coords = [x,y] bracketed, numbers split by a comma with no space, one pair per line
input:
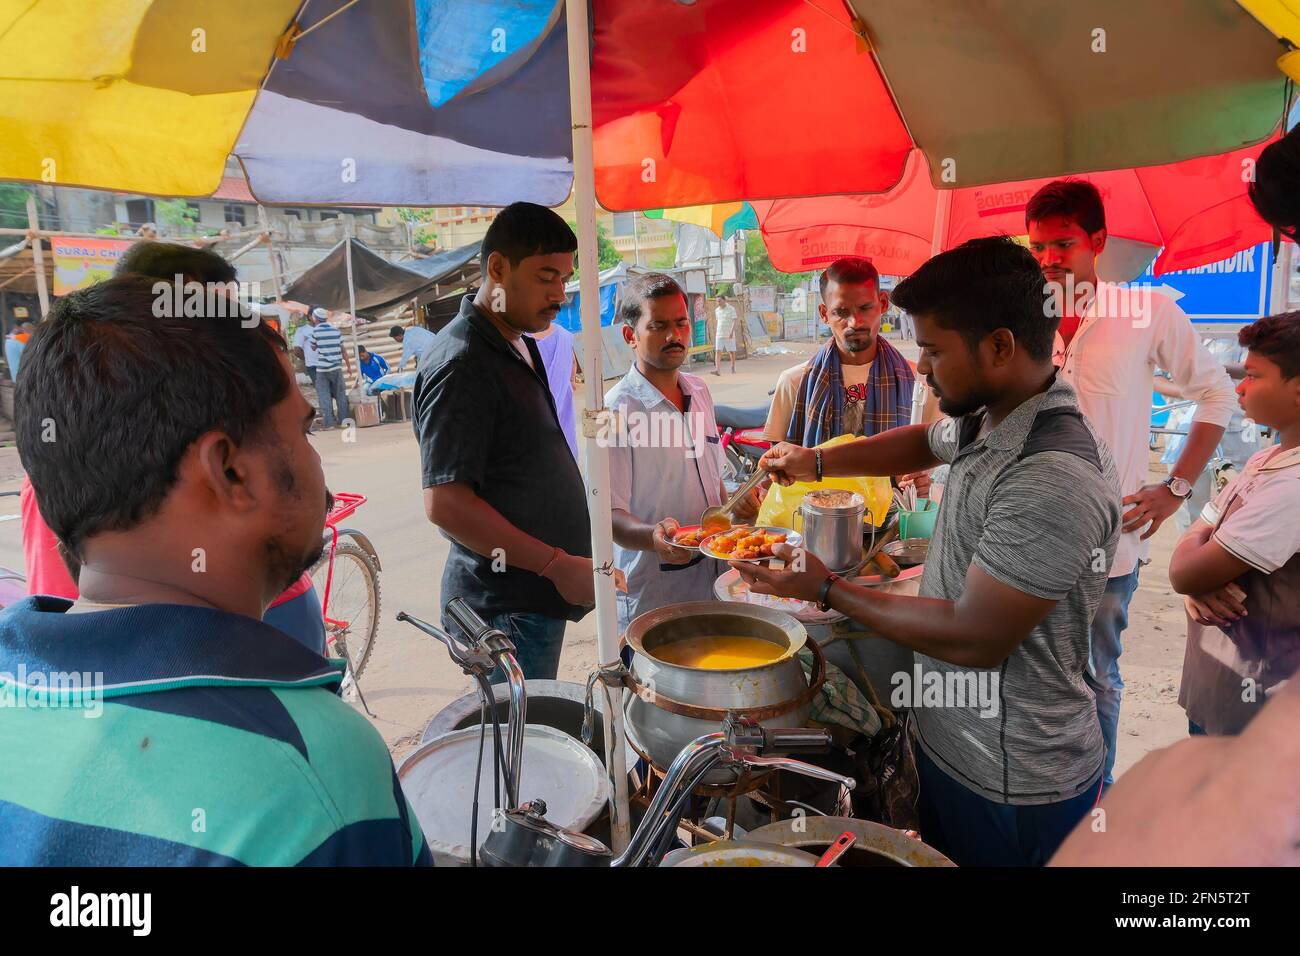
[1151,504]
[1217,608]
[789,463]
[662,538]
[746,509]
[573,578]
[802,577]
[921,479]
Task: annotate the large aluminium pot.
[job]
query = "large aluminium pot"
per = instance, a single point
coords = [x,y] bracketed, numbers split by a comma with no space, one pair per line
[877,844]
[670,705]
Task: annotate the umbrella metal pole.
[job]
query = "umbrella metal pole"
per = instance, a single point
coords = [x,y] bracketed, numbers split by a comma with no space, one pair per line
[265,223]
[598,501]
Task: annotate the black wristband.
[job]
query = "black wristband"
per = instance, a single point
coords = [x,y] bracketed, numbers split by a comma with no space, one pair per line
[823,596]
[817,459]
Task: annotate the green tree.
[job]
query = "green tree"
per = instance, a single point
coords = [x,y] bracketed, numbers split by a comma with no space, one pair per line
[607,254]
[422,233]
[760,271]
[175,212]
[13,206]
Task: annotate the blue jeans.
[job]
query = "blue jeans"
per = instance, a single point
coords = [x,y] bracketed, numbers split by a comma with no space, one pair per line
[974,831]
[537,639]
[330,390]
[1103,663]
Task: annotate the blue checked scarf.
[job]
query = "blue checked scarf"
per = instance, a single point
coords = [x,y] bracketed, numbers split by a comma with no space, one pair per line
[819,405]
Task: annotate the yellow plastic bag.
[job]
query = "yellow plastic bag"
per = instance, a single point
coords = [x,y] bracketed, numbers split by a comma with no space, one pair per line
[783,500]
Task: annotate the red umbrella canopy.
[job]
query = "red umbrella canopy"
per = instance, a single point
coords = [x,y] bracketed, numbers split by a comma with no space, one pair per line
[1197,210]
[709,101]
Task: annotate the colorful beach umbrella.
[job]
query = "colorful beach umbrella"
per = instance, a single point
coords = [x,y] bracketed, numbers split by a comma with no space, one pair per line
[1195,211]
[722,219]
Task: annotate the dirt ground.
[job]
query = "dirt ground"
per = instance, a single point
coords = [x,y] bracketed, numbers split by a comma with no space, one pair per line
[410,678]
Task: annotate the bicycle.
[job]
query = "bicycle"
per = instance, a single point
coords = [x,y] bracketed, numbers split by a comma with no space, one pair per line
[346,579]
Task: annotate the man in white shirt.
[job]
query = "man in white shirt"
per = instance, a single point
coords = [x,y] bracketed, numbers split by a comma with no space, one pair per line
[304,348]
[665,462]
[414,341]
[725,340]
[1110,340]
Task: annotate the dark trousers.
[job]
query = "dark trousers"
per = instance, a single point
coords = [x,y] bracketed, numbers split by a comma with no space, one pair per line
[973,831]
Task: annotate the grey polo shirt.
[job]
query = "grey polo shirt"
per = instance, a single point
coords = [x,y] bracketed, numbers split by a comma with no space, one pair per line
[1035,504]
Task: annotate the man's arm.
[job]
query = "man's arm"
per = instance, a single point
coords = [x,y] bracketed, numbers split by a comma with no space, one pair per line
[1198,377]
[899,451]
[1043,527]
[1200,563]
[476,525]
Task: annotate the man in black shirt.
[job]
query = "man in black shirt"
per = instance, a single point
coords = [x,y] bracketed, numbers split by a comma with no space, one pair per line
[498,476]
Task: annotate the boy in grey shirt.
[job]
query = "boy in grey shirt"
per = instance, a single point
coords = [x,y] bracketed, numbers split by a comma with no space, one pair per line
[1009,746]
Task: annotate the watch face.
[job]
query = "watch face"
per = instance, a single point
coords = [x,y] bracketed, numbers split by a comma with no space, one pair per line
[1180,487]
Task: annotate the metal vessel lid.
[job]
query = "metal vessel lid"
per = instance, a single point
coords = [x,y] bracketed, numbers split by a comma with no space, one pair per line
[832,501]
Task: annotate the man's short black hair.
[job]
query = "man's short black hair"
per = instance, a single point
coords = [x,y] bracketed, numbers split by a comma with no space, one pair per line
[1276,337]
[526,229]
[111,395]
[1275,190]
[635,292]
[165,260]
[980,286]
[397,332]
[849,270]
[1075,199]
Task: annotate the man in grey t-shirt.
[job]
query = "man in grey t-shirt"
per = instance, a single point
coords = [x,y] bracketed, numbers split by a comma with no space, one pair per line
[1009,745]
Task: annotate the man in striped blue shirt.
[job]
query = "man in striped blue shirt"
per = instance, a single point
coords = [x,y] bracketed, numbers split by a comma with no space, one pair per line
[157,719]
[331,357]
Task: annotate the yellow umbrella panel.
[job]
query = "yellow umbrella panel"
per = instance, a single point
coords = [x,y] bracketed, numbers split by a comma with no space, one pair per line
[135,95]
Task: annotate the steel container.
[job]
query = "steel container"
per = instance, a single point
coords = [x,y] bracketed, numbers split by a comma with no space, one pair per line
[776,686]
[831,524]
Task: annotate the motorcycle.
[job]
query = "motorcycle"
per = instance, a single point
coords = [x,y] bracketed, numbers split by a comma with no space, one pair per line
[740,433]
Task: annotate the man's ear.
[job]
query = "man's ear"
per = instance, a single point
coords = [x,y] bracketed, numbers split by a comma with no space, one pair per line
[1002,345]
[629,336]
[496,267]
[884,301]
[821,310]
[1098,241]
[215,463]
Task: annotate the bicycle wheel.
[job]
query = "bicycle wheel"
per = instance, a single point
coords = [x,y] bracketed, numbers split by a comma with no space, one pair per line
[352,616]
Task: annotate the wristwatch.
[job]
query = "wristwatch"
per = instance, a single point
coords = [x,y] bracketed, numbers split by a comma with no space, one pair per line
[1180,487]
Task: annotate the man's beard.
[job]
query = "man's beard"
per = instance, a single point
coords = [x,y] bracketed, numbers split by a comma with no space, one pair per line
[282,567]
[859,344]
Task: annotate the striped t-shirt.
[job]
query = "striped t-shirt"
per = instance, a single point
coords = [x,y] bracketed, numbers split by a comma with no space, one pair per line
[329,347]
[162,734]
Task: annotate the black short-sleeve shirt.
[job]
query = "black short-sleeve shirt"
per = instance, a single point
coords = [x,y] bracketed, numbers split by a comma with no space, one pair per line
[483,417]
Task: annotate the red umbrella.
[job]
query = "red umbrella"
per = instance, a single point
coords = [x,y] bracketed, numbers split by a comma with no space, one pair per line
[710,101]
[1196,210]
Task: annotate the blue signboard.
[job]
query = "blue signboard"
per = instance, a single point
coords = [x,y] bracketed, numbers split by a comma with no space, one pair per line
[1233,291]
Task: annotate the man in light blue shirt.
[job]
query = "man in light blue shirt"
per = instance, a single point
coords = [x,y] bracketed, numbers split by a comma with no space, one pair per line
[414,341]
[665,463]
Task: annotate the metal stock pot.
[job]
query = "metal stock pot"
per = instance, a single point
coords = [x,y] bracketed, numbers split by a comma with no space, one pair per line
[671,704]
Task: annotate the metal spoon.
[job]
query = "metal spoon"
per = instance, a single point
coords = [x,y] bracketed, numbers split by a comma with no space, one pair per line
[718,517]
